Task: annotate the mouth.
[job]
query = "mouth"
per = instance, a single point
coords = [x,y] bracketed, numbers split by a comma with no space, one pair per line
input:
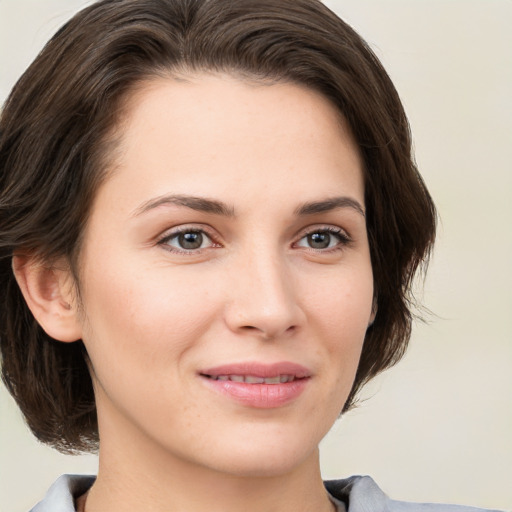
[253,379]
[256,385]
[258,373]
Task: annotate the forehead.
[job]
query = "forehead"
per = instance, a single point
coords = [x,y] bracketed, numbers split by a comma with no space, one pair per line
[221,134]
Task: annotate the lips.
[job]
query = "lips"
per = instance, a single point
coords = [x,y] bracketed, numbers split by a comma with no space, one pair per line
[258,385]
[260,370]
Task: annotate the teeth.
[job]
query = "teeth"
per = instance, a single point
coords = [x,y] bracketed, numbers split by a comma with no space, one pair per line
[251,379]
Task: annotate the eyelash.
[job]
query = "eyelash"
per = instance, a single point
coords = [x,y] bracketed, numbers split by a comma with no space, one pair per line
[164,241]
[343,239]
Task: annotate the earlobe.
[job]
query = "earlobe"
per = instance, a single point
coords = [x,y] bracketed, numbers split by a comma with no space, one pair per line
[48,293]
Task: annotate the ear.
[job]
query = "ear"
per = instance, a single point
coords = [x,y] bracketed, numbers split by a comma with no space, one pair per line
[48,292]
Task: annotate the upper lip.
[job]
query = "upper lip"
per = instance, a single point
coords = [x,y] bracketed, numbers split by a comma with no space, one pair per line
[257,369]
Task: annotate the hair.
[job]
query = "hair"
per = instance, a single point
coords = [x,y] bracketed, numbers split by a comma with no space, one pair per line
[56,139]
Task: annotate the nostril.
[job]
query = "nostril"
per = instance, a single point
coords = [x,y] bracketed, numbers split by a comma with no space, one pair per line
[262,318]
[268,334]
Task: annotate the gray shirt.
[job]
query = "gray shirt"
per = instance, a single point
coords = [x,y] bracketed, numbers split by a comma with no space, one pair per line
[354,494]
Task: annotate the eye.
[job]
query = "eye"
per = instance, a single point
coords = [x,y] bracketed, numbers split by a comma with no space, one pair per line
[187,240]
[321,239]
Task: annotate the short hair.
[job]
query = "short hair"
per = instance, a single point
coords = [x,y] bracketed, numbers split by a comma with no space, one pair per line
[55,142]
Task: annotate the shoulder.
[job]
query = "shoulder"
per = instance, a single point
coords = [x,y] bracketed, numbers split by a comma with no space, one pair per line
[62,494]
[358,493]
[362,494]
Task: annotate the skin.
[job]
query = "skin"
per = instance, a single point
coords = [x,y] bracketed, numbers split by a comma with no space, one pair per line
[155,314]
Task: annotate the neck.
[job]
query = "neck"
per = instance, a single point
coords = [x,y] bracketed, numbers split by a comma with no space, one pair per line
[139,476]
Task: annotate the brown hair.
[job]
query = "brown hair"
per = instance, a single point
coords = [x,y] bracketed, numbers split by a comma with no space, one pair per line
[54,147]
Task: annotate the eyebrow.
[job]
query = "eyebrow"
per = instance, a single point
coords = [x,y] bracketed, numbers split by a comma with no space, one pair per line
[200,204]
[206,205]
[328,205]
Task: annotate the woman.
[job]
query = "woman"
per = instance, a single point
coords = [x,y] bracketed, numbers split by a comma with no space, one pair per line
[210,222]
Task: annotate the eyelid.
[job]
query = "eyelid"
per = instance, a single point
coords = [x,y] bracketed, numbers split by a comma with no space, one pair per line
[187,228]
[345,238]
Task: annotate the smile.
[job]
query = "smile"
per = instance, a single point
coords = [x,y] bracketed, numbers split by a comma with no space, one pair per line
[253,379]
[258,385]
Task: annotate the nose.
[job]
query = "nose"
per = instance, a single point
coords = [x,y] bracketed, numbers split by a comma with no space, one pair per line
[263,301]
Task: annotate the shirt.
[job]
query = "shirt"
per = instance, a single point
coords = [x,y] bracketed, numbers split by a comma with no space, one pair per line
[354,494]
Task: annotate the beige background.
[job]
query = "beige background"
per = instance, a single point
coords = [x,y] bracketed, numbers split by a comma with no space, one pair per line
[439,426]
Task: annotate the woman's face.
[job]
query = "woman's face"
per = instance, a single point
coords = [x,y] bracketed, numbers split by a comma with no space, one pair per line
[226,277]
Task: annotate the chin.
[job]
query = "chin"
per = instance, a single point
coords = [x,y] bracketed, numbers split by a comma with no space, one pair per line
[258,466]
[263,457]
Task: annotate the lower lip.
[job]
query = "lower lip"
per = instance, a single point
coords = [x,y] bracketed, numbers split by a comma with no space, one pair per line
[260,396]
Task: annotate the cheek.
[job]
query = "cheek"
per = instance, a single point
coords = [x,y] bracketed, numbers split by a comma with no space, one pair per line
[146,318]
[141,331]
[341,303]
[339,314]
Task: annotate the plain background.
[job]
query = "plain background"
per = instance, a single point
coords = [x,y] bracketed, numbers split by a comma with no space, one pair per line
[438,427]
